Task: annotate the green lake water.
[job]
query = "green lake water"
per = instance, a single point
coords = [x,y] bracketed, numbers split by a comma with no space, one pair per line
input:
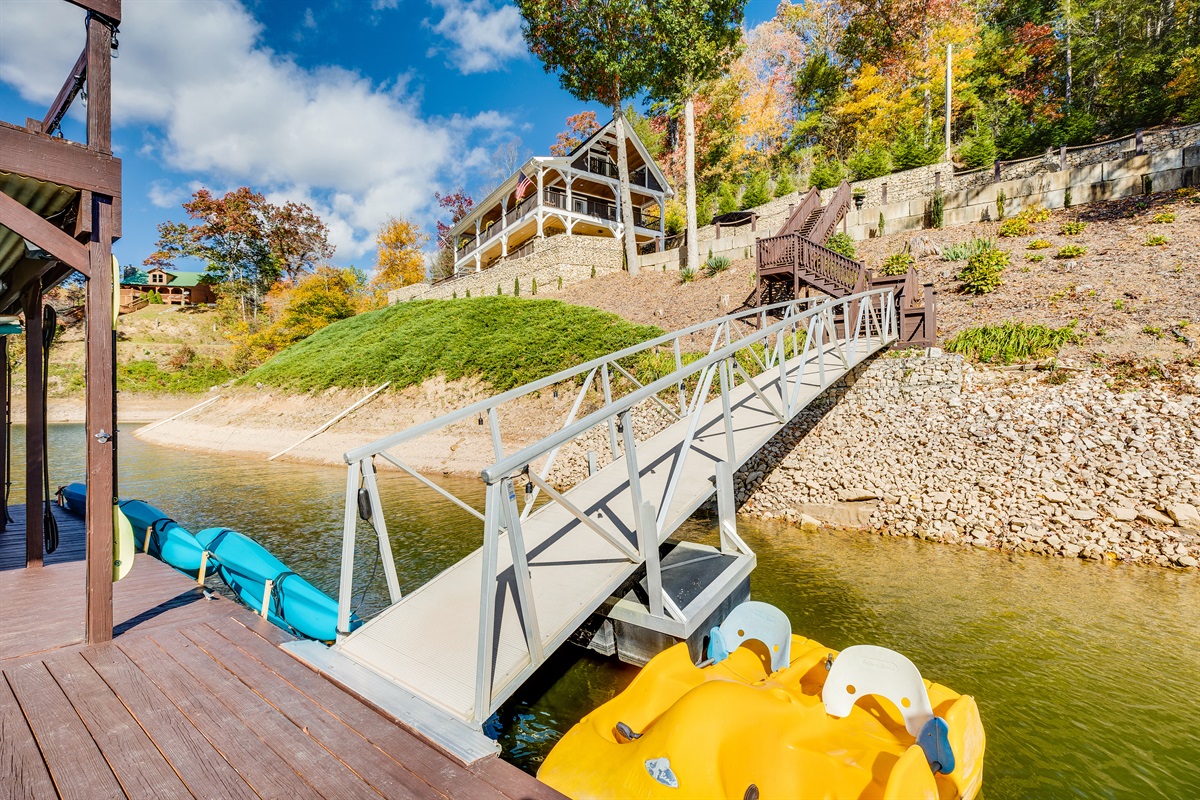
[1087,675]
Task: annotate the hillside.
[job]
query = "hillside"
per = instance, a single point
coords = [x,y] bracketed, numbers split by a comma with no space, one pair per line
[502,341]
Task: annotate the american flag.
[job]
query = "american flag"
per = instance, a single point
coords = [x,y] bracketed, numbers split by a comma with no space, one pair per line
[523,183]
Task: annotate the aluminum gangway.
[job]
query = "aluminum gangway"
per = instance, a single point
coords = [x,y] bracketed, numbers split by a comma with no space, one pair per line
[458,646]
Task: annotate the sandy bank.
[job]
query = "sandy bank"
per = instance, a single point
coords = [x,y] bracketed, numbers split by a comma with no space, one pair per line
[130,407]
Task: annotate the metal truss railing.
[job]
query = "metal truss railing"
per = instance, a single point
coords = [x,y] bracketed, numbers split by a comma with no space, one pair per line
[762,346]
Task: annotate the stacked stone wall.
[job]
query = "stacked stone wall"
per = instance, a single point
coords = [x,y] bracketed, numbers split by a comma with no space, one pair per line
[571,258]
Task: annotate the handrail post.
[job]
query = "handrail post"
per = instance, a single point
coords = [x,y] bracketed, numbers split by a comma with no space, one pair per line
[727,510]
[726,411]
[645,537]
[521,576]
[487,605]
[349,529]
[265,609]
[612,425]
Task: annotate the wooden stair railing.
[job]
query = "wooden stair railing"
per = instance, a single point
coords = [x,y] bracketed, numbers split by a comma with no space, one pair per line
[810,203]
[831,215]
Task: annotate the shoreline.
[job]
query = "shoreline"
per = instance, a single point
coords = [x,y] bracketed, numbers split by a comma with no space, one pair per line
[145,408]
[923,446]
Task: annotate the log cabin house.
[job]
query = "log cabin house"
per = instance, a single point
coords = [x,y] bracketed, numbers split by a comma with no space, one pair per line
[574,195]
[175,287]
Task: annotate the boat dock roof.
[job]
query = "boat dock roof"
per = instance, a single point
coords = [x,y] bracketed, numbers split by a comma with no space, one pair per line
[192,698]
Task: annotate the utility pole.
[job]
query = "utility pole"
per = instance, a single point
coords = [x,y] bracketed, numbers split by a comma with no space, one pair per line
[949,83]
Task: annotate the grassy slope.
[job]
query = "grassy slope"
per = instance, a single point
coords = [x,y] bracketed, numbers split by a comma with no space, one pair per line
[503,340]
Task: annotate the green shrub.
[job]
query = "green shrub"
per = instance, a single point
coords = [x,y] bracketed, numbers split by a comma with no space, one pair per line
[1038,257]
[842,243]
[499,291]
[533,288]
[1035,214]
[979,150]
[937,208]
[882,223]
[1012,341]
[1072,228]
[784,183]
[715,264]
[727,198]
[897,264]
[961,251]
[869,163]
[756,191]
[1015,226]
[593,271]
[153,297]
[468,294]
[1157,240]
[704,208]
[1038,244]
[1071,251]
[197,375]
[827,173]
[687,274]
[454,295]
[516,286]
[1067,198]
[676,218]
[1163,217]
[1001,201]
[981,275]
[559,280]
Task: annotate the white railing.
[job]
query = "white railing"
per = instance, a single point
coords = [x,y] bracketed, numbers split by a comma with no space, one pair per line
[777,342]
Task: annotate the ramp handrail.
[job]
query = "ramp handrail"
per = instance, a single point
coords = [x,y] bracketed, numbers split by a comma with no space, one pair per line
[808,326]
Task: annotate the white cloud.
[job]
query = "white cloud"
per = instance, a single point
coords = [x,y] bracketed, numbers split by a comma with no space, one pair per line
[310,20]
[164,195]
[380,5]
[219,105]
[484,35]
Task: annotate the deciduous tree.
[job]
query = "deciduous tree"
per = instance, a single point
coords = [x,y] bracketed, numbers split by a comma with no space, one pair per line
[579,127]
[399,259]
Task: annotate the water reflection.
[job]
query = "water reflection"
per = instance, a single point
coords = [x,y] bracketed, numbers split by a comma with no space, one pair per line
[1085,673]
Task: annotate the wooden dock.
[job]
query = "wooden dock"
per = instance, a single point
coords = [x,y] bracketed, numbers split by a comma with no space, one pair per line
[192,698]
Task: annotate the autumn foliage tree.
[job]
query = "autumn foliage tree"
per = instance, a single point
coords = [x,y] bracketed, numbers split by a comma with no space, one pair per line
[246,243]
[579,128]
[459,204]
[297,309]
[400,259]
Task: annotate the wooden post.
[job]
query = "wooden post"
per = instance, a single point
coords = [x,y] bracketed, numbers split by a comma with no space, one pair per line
[1062,158]
[4,431]
[930,315]
[1141,148]
[101,413]
[883,193]
[31,302]
[996,172]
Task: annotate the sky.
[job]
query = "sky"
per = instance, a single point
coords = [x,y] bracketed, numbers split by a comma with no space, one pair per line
[360,108]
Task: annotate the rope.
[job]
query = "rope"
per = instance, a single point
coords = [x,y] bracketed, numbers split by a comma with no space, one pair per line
[49,523]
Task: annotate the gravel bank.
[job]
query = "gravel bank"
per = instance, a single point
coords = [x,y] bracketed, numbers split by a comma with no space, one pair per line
[935,448]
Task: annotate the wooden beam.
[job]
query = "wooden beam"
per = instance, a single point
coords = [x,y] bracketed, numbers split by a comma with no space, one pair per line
[66,94]
[99,68]
[44,234]
[101,425]
[109,8]
[45,158]
[5,417]
[35,420]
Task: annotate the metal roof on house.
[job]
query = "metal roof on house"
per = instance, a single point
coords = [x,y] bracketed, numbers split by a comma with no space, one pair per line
[142,278]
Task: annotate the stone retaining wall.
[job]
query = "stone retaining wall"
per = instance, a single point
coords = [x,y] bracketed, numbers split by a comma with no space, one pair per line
[571,258]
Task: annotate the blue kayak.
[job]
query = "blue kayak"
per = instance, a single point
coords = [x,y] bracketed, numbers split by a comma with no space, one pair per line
[170,542]
[294,603]
[245,566]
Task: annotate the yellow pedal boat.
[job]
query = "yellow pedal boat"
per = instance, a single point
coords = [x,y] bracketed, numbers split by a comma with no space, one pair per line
[774,717]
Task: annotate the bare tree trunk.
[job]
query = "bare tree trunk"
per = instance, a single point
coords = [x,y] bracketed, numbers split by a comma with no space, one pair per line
[631,256]
[1069,76]
[689,162]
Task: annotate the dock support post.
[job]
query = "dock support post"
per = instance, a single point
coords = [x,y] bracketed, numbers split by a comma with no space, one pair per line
[380,525]
[487,605]
[648,521]
[727,510]
[31,303]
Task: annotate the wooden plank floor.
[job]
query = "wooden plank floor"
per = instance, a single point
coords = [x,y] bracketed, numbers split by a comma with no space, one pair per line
[194,698]
[12,539]
[572,569]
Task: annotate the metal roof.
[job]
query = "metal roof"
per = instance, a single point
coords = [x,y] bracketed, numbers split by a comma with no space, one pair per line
[42,198]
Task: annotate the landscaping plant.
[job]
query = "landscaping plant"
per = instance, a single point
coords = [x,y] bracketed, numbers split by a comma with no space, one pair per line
[897,264]
[1163,217]
[1071,251]
[841,243]
[981,275]
[1038,244]
[1015,226]
[715,264]
[1073,228]
[1012,341]
[1156,240]
[961,251]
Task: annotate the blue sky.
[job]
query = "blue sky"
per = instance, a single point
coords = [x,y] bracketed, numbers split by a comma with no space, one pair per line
[361,108]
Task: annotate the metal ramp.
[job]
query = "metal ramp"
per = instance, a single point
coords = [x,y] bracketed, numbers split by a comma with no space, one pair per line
[465,641]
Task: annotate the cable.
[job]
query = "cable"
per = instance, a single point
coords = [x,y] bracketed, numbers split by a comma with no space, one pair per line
[49,523]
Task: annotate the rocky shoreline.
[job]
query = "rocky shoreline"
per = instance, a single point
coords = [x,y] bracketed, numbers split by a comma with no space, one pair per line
[930,446]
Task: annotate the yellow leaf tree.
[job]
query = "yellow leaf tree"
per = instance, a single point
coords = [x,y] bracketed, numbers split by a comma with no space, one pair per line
[400,259]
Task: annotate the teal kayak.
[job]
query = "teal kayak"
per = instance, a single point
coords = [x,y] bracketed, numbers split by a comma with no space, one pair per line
[294,603]
[170,542]
[242,563]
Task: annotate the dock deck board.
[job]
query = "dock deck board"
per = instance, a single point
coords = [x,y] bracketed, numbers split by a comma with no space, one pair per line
[572,569]
[192,698]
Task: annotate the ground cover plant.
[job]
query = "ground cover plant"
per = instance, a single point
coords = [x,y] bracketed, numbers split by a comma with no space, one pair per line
[1071,251]
[1038,244]
[1015,226]
[961,251]
[981,275]
[896,264]
[842,243]
[1072,228]
[1012,341]
[504,341]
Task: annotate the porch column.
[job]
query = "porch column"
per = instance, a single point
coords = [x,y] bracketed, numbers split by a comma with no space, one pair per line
[31,304]
[504,245]
[478,265]
[540,199]
[570,178]
[662,224]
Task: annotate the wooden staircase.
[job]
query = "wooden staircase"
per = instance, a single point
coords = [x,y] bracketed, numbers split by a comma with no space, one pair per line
[797,257]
